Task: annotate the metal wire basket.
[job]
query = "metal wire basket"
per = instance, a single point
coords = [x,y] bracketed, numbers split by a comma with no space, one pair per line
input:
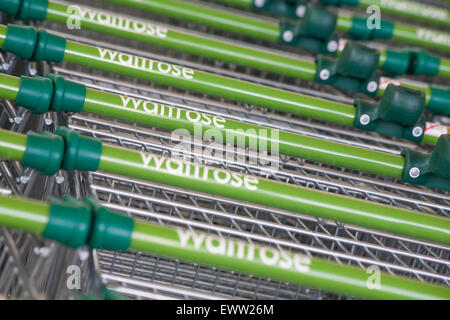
[31,267]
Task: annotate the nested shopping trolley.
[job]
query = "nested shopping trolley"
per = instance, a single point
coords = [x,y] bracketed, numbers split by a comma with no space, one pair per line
[310,249]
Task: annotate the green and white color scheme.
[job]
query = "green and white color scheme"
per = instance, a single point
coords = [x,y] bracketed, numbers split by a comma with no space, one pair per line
[24,41]
[70,151]
[86,222]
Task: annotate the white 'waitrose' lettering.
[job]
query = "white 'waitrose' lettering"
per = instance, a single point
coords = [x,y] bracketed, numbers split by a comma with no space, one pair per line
[192,170]
[122,23]
[172,112]
[416,8]
[145,64]
[243,251]
[433,36]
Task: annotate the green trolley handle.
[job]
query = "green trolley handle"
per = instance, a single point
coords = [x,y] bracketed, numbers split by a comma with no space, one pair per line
[78,223]
[389,116]
[69,150]
[394,63]
[324,24]
[403,8]
[315,22]
[54,93]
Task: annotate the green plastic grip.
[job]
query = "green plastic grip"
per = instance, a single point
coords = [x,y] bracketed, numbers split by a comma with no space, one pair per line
[361,31]
[49,47]
[313,32]
[412,61]
[355,69]
[69,222]
[35,94]
[81,153]
[25,9]
[399,113]
[21,41]
[432,169]
[67,95]
[44,152]
[39,94]
[33,10]
[439,102]
[27,43]
[396,63]
[110,230]
[77,223]
[423,63]
[10,7]
[47,152]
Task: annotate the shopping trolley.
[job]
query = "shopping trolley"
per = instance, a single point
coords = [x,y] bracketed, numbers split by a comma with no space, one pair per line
[144,276]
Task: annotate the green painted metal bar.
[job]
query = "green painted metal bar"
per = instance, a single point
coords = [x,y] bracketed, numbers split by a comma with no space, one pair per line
[93,19]
[199,81]
[234,132]
[270,193]
[444,68]
[237,255]
[3,29]
[275,264]
[274,194]
[219,19]
[418,36]
[231,131]
[128,28]
[232,22]
[422,37]
[24,214]
[12,145]
[9,86]
[239,3]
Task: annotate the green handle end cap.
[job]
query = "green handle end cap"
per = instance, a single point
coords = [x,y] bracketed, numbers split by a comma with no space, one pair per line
[424,64]
[69,223]
[81,153]
[110,230]
[35,94]
[68,95]
[44,152]
[397,63]
[10,7]
[33,10]
[49,47]
[439,102]
[432,169]
[21,41]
